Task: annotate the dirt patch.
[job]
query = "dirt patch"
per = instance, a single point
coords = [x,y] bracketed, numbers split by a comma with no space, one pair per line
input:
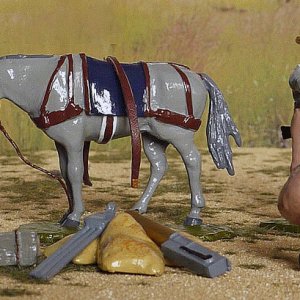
[264,262]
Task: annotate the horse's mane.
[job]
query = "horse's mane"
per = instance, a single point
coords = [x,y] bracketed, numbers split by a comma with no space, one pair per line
[20,56]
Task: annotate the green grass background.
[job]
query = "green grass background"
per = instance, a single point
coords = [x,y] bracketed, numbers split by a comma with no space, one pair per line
[247,46]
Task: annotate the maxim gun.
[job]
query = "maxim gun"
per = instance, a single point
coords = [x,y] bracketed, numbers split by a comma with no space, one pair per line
[182,251]
[94,225]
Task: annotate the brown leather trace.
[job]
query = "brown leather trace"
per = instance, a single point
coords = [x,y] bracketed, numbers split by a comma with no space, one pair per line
[133,120]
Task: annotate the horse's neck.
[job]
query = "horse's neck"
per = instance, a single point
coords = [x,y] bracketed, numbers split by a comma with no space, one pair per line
[23,81]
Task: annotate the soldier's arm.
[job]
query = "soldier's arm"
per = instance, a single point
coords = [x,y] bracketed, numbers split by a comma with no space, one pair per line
[295,132]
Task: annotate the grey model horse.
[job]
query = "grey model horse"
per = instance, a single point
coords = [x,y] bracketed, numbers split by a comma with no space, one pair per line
[24,80]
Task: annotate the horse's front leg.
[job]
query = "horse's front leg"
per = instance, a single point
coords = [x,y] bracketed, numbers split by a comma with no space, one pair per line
[74,179]
[155,152]
[63,164]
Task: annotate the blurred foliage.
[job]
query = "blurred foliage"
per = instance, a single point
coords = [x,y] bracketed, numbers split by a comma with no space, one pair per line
[247,46]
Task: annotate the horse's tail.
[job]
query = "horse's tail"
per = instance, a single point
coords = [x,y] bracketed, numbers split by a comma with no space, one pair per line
[219,126]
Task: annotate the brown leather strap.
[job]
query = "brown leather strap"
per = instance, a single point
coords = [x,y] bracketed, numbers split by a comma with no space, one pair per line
[47,119]
[170,117]
[147,80]
[187,88]
[27,162]
[85,83]
[167,116]
[49,86]
[133,120]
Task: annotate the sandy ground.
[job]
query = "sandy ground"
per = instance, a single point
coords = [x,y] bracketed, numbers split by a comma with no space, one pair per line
[264,265]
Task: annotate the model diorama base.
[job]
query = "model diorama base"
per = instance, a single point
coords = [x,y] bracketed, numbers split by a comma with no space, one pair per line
[76,99]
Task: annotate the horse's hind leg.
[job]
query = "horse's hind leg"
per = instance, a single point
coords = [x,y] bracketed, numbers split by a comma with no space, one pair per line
[192,160]
[155,152]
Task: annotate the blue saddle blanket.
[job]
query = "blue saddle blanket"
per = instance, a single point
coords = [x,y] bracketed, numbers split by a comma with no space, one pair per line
[106,96]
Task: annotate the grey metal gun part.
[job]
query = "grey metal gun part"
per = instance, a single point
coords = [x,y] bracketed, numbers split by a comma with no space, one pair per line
[183,252]
[19,248]
[94,225]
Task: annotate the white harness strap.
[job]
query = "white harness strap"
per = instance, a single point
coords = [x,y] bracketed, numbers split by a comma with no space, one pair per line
[102,129]
[108,129]
[115,121]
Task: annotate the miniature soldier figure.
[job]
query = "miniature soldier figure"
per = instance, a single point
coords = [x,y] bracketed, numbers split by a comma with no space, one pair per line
[289,197]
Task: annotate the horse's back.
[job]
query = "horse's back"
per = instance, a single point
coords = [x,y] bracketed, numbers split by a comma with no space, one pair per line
[106,96]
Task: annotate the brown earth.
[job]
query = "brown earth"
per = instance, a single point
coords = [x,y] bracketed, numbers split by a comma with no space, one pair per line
[264,263]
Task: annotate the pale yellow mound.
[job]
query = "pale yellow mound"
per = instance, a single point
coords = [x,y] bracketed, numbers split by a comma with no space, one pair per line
[125,247]
[86,257]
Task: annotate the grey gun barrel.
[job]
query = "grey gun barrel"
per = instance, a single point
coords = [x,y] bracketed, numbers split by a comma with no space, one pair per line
[94,225]
[182,251]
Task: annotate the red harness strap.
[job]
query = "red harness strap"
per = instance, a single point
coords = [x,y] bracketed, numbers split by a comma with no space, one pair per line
[85,83]
[47,119]
[187,88]
[133,120]
[170,117]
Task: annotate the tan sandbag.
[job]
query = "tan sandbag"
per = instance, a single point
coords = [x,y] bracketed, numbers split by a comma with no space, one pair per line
[88,256]
[289,198]
[125,247]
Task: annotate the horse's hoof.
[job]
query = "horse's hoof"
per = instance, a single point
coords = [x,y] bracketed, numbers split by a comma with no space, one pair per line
[70,223]
[189,221]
